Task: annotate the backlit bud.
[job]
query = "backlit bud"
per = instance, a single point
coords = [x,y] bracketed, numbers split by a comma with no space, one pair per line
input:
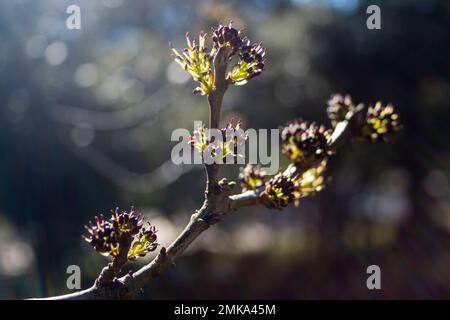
[381,123]
[251,177]
[302,141]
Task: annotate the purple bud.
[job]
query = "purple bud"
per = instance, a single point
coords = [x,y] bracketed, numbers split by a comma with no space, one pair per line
[236,42]
[227,36]
[234,32]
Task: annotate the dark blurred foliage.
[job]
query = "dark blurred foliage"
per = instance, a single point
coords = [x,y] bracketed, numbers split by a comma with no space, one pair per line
[86,120]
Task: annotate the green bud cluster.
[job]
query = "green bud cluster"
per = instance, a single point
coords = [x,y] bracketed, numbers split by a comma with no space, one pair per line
[302,140]
[232,136]
[285,188]
[279,192]
[198,61]
[251,177]
[381,123]
[108,236]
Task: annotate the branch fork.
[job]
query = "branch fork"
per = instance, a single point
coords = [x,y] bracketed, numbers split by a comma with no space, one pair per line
[348,121]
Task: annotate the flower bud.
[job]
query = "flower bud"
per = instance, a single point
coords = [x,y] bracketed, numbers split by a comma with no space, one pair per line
[279,192]
[311,181]
[106,236]
[250,64]
[381,123]
[196,60]
[302,141]
[251,177]
[338,107]
[229,37]
[232,137]
[144,242]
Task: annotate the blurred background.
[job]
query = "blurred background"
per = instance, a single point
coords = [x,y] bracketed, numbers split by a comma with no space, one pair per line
[85,123]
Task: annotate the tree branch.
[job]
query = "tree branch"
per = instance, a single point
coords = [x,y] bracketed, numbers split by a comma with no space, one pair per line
[219,199]
[215,98]
[214,207]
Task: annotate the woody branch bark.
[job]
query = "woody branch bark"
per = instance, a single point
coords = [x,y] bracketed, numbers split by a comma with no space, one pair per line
[215,98]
